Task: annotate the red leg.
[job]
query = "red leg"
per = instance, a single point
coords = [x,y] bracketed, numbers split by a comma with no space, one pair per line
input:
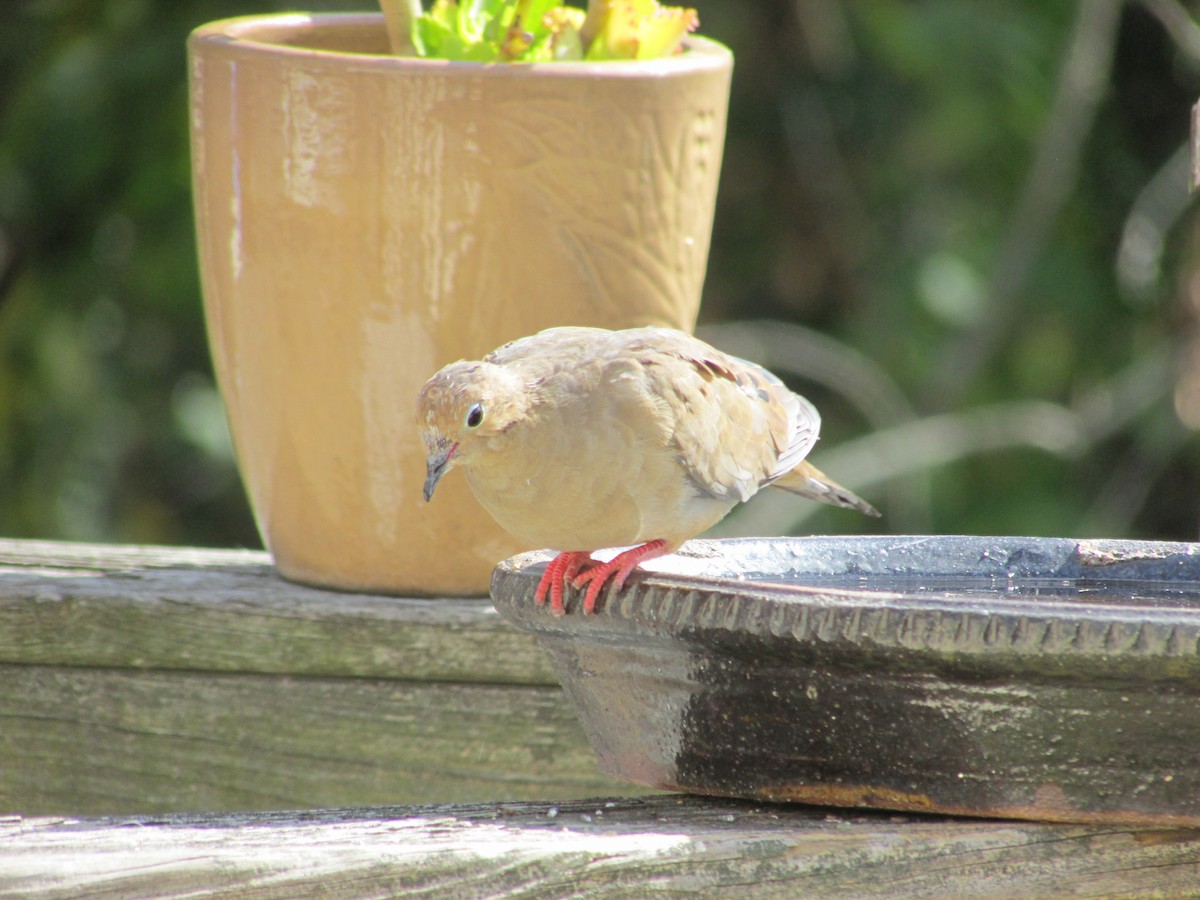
[559,572]
[618,568]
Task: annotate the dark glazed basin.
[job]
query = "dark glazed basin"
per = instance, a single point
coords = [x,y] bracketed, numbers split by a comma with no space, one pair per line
[1041,678]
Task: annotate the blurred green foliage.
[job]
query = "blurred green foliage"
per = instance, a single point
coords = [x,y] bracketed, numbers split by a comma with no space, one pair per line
[984,205]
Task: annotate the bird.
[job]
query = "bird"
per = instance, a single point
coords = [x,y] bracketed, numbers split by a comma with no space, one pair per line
[580,439]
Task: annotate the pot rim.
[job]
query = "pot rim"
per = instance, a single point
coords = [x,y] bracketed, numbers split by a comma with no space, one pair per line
[262,36]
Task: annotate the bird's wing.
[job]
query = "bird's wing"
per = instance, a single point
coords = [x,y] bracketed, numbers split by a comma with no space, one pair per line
[734,426]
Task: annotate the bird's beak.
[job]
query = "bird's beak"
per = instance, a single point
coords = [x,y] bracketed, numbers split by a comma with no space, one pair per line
[436,464]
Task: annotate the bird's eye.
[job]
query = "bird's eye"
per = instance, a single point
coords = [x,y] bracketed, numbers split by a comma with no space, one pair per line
[474,415]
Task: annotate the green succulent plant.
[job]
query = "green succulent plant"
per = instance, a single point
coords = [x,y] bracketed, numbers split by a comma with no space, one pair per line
[536,30]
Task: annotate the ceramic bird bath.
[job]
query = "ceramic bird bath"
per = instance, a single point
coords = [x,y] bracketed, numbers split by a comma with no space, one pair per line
[1039,678]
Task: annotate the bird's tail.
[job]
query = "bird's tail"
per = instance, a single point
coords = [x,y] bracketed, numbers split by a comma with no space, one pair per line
[806,480]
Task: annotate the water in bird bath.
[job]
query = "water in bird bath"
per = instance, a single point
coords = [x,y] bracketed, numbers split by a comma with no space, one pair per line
[972,589]
[961,572]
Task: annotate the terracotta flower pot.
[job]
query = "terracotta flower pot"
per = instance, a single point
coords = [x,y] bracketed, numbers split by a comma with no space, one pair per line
[364,219]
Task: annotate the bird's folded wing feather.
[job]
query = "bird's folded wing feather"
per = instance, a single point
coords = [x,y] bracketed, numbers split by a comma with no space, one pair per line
[735,427]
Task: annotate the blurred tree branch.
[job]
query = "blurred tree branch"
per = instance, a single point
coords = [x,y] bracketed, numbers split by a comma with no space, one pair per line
[911,447]
[1180,25]
[1051,179]
[1158,208]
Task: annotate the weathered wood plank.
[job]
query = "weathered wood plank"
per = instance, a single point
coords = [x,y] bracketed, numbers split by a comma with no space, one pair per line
[596,848]
[229,611]
[153,679]
[95,741]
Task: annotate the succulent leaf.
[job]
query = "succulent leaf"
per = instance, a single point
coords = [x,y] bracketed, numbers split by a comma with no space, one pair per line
[545,30]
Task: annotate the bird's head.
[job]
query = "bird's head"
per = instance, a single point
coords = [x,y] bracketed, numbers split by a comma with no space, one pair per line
[462,411]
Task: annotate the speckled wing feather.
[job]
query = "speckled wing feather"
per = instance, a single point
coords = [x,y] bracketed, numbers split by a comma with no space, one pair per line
[735,427]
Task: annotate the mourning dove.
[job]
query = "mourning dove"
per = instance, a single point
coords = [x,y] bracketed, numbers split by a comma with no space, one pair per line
[580,439]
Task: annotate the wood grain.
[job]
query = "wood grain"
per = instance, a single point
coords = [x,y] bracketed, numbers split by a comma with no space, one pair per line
[596,848]
[94,741]
[147,679]
[229,611]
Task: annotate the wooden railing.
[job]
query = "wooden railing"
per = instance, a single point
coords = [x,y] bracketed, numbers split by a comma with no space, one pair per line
[162,710]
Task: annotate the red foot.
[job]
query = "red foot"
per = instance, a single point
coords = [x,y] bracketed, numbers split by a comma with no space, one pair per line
[618,568]
[559,572]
